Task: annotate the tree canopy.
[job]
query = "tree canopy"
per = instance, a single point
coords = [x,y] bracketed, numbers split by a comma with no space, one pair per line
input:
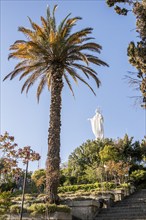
[136,51]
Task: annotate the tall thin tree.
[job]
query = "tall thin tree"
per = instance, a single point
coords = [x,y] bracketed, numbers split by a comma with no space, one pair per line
[51,54]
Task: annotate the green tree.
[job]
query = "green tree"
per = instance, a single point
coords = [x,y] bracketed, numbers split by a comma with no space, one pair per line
[84,162]
[143,149]
[39,178]
[5,202]
[105,159]
[138,177]
[51,54]
[109,153]
[136,51]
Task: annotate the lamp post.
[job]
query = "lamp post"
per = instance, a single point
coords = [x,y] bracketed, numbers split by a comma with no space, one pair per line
[23,190]
[27,154]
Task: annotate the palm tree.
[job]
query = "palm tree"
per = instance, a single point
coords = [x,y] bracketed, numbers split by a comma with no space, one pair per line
[52,54]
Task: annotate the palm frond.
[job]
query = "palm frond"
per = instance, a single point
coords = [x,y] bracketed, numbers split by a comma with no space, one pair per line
[38,29]
[87,38]
[25,73]
[69,84]
[80,67]
[38,48]
[15,72]
[88,72]
[96,60]
[72,72]
[30,80]
[18,44]
[19,47]
[27,32]
[38,67]
[35,75]
[75,75]
[21,64]
[49,81]
[41,87]
[77,36]
[83,57]
[91,46]
[62,23]
[44,23]
[51,19]
[66,30]
[22,56]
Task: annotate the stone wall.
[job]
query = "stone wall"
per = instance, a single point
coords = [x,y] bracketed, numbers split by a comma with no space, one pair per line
[53,216]
[84,209]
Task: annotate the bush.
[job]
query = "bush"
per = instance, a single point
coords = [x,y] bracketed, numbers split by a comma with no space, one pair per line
[138,176]
[87,187]
[41,208]
[5,201]
[7,186]
[37,209]
[15,209]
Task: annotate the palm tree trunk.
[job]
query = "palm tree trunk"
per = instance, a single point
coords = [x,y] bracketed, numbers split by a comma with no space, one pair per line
[53,157]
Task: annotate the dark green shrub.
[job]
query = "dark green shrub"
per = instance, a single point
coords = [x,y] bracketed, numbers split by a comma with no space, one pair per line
[5,201]
[15,209]
[41,208]
[36,209]
[138,176]
[87,187]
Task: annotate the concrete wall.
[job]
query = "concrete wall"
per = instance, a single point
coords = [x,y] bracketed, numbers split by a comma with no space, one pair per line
[54,216]
[84,209]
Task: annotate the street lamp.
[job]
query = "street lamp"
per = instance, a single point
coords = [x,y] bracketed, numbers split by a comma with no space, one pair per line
[23,190]
[27,154]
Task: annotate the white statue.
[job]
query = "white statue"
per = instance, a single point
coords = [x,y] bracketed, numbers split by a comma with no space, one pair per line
[97,125]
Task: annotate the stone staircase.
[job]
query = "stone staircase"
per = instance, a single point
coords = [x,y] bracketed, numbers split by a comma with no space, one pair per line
[130,208]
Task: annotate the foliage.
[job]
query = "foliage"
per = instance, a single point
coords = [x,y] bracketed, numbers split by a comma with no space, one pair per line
[104,160]
[42,208]
[136,51]
[37,208]
[8,161]
[87,187]
[119,170]
[27,154]
[5,202]
[143,149]
[39,178]
[108,153]
[15,209]
[138,176]
[85,157]
[10,173]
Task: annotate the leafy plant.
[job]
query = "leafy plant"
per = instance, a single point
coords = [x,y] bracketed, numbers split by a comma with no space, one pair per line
[5,202]
[41,208]
[15,209]
[86,187]
[138,176]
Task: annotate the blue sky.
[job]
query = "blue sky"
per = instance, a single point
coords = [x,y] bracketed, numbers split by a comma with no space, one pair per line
[28,121]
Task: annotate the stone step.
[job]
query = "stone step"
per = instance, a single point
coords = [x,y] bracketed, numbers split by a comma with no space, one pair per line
[113,215]
[138,210]
[131,208]
[129,218]
[112,212]
[132,201]
[132,205]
